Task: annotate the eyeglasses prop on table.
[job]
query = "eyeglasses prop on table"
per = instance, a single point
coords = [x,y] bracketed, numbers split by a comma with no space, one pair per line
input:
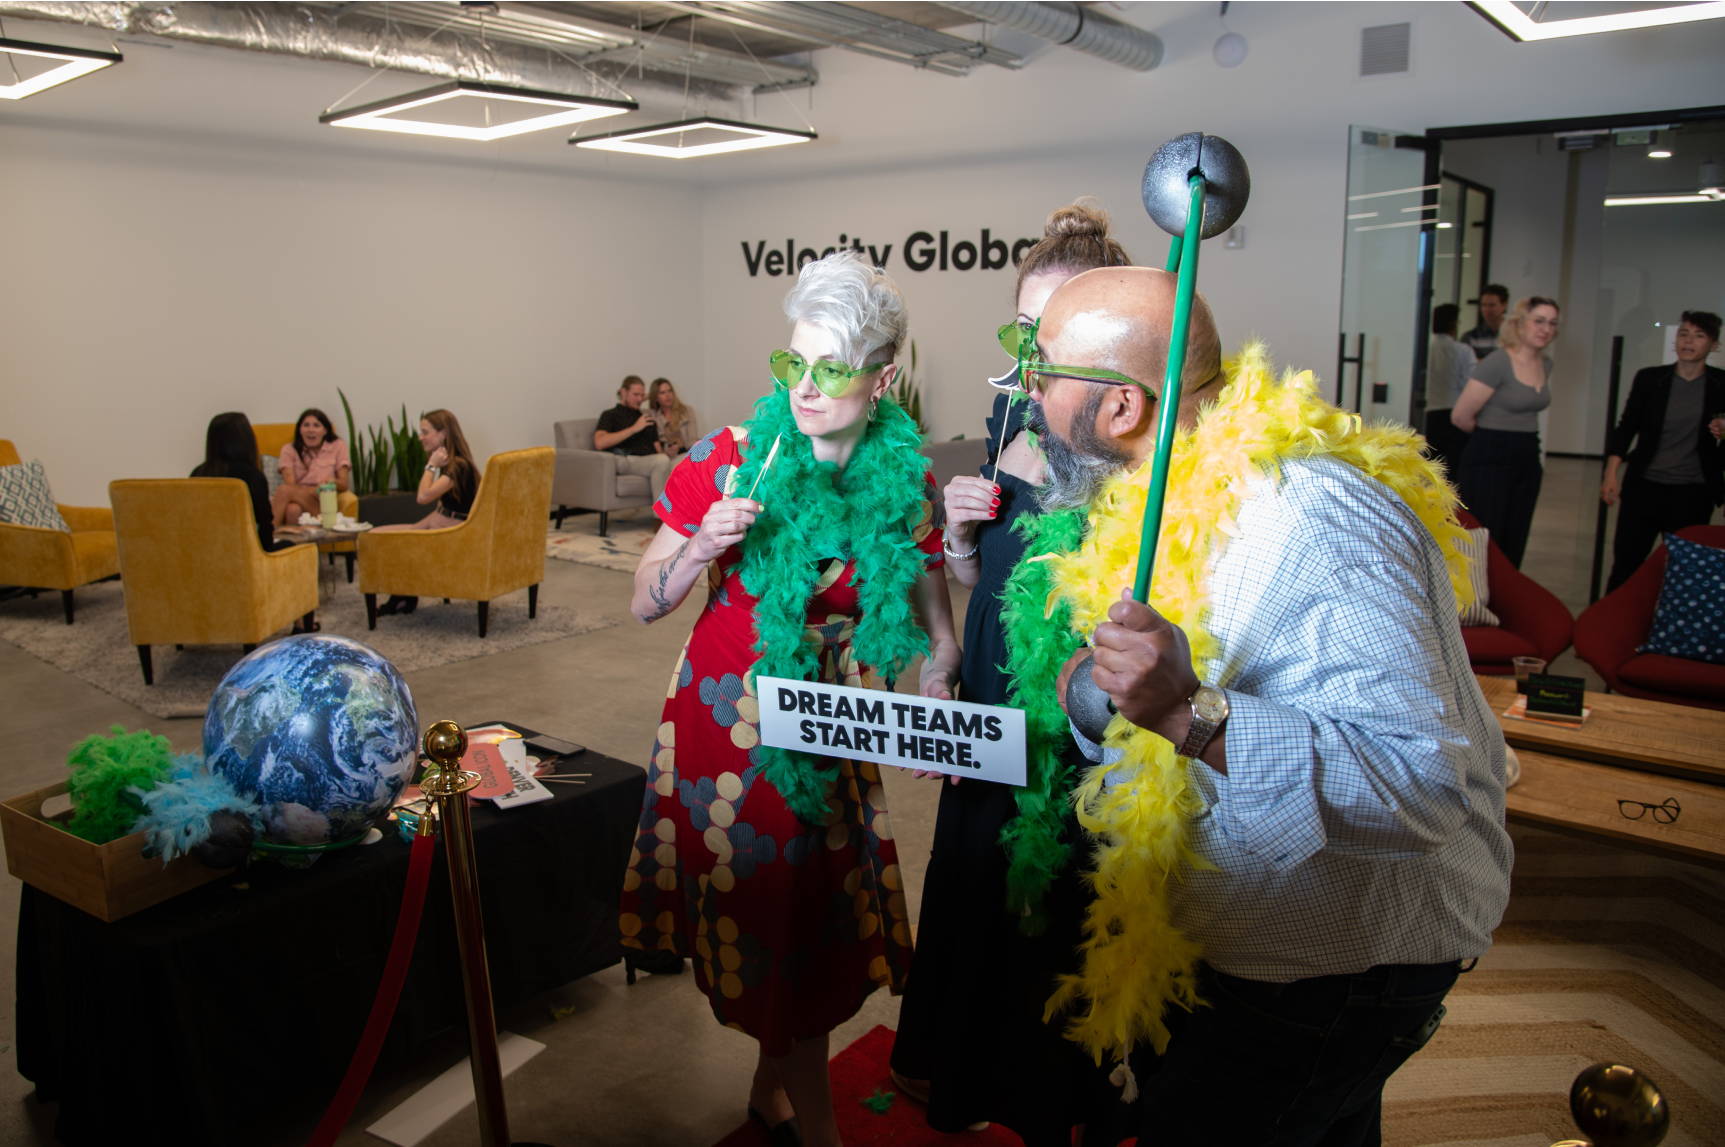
[446,783]
[1195,188]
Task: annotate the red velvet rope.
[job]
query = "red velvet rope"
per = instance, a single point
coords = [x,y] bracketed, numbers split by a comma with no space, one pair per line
[388,992]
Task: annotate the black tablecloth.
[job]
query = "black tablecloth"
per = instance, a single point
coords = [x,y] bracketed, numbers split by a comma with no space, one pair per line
[239,1004]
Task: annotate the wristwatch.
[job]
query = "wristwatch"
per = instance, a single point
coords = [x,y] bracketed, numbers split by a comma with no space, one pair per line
[1209,710]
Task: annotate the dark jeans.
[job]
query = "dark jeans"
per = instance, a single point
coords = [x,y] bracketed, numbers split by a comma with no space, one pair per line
[1647,510]
[1445,440]
[1288,1065]
[1498,481]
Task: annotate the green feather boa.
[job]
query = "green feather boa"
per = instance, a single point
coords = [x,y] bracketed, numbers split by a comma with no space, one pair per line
[1037,645]
[813,512]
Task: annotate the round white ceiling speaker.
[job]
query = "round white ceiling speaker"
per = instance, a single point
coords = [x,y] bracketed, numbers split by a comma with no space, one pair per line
[1230,50]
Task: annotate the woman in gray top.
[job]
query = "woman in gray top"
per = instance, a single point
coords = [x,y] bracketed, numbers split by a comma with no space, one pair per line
[1499,475]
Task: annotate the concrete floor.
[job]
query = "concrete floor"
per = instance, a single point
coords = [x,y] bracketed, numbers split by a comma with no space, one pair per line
[641,1065]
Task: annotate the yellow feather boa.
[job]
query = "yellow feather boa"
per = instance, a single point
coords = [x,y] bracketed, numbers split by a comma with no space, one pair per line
[1135,961]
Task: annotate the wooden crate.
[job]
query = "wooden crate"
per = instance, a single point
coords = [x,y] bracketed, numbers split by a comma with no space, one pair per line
[109,881]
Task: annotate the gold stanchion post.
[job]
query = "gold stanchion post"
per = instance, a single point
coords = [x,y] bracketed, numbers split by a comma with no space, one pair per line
[447,784]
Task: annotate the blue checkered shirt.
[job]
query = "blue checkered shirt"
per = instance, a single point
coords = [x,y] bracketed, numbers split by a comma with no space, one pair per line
[1361,820]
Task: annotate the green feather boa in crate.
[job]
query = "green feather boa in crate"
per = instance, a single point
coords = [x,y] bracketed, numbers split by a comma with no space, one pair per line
[109,776]
[814,512]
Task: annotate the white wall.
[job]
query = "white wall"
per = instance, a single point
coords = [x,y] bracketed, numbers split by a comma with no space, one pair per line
[903,151]
[183,238]
[155,277]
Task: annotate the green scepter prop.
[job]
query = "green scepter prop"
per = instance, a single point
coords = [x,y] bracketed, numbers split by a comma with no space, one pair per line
[1195,187]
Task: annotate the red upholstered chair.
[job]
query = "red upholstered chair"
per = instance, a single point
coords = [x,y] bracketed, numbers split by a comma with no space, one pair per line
[1535,622]
[1609,630]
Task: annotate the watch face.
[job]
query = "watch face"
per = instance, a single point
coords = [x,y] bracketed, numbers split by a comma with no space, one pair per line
[1210,704]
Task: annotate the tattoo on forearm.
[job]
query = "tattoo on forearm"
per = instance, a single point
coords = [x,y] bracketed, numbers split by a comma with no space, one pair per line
[662,603]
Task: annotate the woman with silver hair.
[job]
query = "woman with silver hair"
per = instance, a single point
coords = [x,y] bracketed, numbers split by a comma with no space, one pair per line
[775,870]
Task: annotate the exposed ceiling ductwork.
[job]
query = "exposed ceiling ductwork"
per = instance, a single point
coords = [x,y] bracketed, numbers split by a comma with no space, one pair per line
[1074,26]
[856,29]
[516,44]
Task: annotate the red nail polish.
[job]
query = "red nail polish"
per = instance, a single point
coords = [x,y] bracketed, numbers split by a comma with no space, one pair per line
[996,502]
[991,513]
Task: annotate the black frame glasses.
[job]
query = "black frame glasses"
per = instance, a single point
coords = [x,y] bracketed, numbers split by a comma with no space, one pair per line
[1666,812]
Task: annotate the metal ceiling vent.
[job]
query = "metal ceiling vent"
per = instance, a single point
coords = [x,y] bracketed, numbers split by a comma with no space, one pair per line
[1384,49]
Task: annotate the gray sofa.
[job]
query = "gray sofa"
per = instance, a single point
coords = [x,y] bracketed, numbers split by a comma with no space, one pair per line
[587,479]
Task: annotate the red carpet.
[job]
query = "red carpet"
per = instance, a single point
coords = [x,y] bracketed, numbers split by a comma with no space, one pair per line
[858,1072]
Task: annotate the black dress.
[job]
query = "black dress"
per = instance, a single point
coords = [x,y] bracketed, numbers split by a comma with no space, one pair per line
[971,1018]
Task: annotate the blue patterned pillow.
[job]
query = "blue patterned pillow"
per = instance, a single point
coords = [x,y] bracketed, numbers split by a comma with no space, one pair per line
[1690,620]
[25,499]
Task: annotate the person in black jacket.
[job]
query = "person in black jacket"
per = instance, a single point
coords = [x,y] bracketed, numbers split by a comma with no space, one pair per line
[1675,416]
[231,451]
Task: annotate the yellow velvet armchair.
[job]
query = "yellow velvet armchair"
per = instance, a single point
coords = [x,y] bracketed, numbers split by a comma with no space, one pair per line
[51,559]
[193,571]
[499,549]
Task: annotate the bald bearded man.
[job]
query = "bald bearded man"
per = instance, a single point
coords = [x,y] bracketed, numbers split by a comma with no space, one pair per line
[1345,775]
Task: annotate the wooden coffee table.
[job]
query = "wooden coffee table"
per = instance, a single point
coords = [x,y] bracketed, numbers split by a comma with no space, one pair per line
[1646,751]
[1649,736]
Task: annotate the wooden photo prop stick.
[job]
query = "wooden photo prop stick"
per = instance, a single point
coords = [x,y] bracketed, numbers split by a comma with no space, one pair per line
[1005,418]
[764,467]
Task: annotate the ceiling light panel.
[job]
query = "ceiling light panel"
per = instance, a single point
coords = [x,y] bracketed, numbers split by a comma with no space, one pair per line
[72,63]
[1652,200]
[1519,25]
[691,138]
[559,110]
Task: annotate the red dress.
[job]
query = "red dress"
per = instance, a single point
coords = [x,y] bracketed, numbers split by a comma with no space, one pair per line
[790,925]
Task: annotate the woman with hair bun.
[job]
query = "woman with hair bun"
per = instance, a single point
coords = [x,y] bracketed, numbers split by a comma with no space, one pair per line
[971,1042]
[775,870]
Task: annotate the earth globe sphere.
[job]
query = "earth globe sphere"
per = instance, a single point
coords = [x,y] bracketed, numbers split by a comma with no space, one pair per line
[320,730]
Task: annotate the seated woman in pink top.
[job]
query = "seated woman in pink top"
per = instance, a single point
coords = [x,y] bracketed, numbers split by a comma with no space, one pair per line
[315,456]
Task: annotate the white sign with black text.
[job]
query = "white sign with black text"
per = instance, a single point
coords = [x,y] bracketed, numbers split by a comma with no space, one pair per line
[956,737]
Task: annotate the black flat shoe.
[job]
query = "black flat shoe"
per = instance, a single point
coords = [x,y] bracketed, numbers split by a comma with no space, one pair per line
[397,604]
[786,1134]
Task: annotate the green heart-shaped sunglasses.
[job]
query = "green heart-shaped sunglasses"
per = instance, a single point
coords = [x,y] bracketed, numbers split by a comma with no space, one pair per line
[1018,339]
[833,378]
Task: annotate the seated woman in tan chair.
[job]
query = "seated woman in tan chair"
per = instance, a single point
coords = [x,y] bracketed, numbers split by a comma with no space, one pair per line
[450,480]
[315,456]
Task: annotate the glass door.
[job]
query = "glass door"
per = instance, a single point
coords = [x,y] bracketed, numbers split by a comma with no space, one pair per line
[1462,246]
[1391,216]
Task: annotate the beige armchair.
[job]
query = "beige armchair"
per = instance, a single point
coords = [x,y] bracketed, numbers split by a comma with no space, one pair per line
[499,549]
[55,559]
[587,479]
[193,571]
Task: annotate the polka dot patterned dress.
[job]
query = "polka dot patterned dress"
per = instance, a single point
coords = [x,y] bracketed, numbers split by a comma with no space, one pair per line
[789,925]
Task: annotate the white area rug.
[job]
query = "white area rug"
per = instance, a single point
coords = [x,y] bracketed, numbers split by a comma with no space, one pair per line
[579,541]
[98,649]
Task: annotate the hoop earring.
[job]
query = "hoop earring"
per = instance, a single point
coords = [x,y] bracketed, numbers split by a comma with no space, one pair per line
[873,406]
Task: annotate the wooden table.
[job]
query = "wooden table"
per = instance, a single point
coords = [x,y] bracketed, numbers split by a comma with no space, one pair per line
[1580,798]
[1629,749]
[1649,736]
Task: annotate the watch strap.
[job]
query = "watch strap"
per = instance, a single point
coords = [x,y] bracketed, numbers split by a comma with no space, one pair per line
[1199,734]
